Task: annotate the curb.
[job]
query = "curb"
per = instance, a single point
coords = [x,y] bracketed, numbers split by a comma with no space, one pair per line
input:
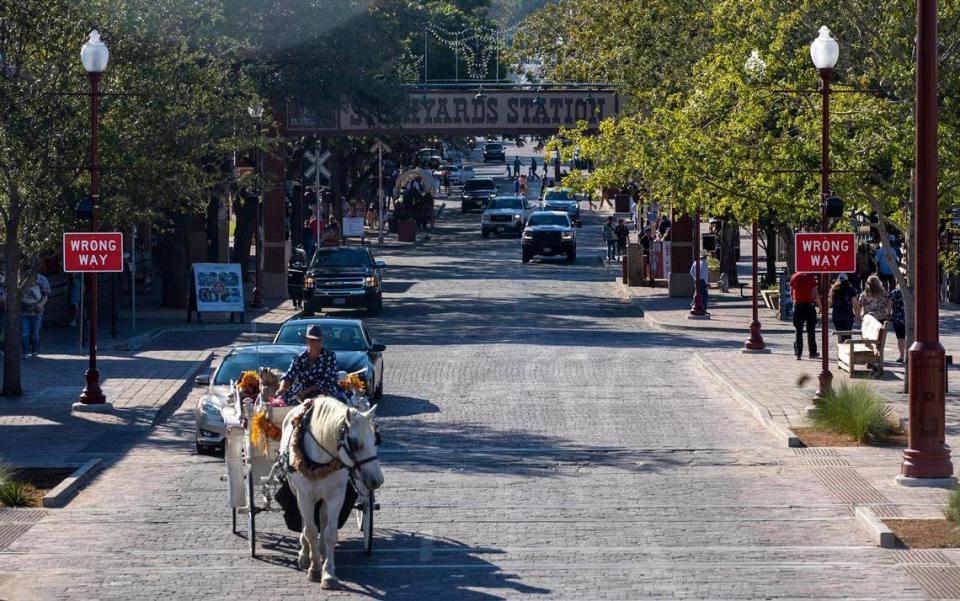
[679,326]
[880,534]
[66,490]
[761,414]
[141,340]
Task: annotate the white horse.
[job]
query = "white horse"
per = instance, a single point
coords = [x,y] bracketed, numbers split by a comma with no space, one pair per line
[338,441]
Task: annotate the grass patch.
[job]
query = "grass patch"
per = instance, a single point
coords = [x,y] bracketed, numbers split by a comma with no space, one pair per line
[857,411]
[17,494]
[953,506]
[925,534]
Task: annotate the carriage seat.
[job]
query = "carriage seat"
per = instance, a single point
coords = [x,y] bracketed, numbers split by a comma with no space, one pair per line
[864,347]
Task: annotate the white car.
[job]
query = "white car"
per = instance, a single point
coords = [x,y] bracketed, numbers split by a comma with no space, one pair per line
[466,174]
[505,214]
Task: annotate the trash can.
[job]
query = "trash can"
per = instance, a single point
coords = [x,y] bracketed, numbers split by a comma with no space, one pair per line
[407,230]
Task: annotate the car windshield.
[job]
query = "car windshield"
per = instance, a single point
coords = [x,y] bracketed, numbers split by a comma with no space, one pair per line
[494,146]
[559,195]
[336,337]
[341,258]
[237,363]
[507,203]
[547,219]
[480,184]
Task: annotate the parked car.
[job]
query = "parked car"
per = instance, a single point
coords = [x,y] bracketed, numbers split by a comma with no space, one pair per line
[549,233]
[343,276]
[477,193]
[424,154]
[562,199]
[494,151]
[208,412]
[452,170]
[355,347]
[505,214]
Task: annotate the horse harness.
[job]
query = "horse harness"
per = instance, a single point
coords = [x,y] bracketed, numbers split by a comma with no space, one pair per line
[314,470]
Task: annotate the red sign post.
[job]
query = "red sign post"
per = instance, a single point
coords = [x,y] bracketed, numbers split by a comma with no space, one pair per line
[821,252]
[93,252]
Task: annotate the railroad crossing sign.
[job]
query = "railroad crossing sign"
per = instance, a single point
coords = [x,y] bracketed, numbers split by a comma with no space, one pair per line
[316,164]
[380,145]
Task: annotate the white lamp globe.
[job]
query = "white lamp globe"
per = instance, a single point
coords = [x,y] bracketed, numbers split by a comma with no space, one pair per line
[824,50]
[94,54]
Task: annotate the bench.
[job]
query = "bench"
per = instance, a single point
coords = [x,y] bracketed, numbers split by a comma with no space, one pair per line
[863,347]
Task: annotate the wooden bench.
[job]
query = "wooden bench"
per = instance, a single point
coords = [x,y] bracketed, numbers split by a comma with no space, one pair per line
[863,347]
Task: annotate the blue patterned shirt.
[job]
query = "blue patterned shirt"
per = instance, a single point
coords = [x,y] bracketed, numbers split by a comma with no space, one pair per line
[322,374]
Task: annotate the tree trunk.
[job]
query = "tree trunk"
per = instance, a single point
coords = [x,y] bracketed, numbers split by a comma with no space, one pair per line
[786,234]
[245,210]
[175,263]
[729,249]
[213,228]
[12,352]
[771,253]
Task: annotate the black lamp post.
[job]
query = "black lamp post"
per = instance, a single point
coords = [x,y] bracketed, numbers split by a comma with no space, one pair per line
[257,303]
[94,55]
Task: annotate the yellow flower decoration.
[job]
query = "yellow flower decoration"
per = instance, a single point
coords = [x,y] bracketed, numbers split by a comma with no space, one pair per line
[354,382]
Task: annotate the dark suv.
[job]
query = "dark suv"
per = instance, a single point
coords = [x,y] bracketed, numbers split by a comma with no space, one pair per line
[494,152]
[476,194]
[343,276]
[549,233]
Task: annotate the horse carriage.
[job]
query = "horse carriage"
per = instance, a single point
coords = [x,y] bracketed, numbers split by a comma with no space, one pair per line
[257,434]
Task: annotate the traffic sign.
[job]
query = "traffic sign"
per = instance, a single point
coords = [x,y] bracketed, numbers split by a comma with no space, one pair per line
[93,252]
[316,163]
[822,252]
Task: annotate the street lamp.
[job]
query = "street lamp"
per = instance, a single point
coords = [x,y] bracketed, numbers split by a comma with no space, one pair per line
[257,303]
[94,56]
[927,457]
[698,311]
[824,51]
[755,68]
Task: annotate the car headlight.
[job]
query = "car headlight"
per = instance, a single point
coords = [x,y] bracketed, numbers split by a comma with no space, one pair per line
[370,281]
[210,407]
[517,217]
[567,235]
[528,235]
[308,282]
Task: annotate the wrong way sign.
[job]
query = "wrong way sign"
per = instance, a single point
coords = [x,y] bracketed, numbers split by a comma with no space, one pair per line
[93,251]
[823,252]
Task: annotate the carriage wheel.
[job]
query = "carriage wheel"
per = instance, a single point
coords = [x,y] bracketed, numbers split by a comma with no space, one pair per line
[365,522]
[251,514]
[233,526]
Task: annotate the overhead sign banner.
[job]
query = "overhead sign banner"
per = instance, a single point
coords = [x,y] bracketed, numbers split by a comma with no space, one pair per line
[100,252]
[826,252]
[219,287]
[469,112]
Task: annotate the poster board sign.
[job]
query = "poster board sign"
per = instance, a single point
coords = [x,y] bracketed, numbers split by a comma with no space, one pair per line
[353,227]
[786,301]
[218,287]
[660,259]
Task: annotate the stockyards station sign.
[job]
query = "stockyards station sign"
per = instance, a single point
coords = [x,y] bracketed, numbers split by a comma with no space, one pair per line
[467,112]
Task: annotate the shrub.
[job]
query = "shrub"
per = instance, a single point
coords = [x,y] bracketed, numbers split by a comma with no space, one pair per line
[856,410]
[16,494]
[6,474]
[953,506]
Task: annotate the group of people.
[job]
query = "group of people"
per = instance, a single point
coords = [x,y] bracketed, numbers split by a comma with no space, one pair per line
[615,235]
[848,305]
[322,228]
[517,165]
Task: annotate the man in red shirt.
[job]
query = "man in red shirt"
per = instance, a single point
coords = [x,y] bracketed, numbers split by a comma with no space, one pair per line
[804,293]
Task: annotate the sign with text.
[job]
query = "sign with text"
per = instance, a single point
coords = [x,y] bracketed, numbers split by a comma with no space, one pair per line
[353,227]
[93,252]
[219,287]
[469,112]
[826,252]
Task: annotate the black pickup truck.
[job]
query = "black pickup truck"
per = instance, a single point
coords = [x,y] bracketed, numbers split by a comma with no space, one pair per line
[343,276]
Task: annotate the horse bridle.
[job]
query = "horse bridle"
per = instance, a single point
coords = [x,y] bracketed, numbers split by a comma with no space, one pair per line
[350,445]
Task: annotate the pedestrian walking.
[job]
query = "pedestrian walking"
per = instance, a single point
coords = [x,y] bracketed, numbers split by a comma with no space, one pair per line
[646,241]
[843,304]
[884,268]
[516,166]
[622,233]
[898,316]
[34,294]
[704,282]
[516,187]
[75,298]
[610,237]
[524,185]
[664,228]
[806,300]
[873,300]
[533,169]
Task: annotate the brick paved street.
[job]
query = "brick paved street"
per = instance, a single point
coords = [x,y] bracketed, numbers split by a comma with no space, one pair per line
[541,441]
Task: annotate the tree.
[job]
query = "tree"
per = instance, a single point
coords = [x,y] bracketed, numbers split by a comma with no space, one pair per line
[173,106]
